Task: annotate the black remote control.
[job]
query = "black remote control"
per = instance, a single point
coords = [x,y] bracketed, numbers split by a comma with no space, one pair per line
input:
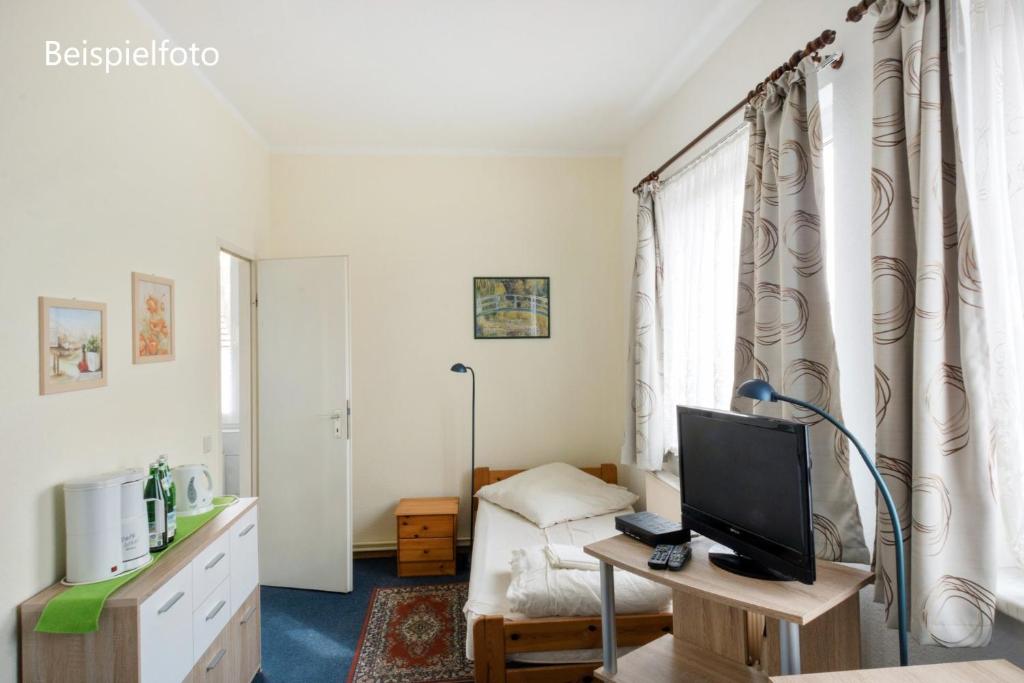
[679,556]
[659,558]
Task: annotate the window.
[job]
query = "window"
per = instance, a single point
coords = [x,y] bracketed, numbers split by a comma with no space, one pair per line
[229,340]
[701,210]
[701,217]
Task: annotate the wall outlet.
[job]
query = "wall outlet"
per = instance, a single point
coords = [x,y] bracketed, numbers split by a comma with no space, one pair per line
[207,444]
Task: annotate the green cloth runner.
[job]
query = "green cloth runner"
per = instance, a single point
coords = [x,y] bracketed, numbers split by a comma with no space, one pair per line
[77,609]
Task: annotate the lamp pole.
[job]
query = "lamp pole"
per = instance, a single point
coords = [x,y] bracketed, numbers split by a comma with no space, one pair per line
[762,391]
[462,368]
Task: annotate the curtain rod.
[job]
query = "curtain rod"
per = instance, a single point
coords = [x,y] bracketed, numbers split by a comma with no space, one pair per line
[715,146]
[857,12]
[827,37]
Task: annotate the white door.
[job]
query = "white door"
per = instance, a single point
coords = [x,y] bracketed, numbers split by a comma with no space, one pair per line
[304,458]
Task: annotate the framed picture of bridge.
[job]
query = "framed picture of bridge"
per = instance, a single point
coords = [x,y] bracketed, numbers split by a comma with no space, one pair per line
[511,307]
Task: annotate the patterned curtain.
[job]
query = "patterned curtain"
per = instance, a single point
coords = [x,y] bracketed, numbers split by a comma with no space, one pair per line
[933,440]
[783,321]
[644,445]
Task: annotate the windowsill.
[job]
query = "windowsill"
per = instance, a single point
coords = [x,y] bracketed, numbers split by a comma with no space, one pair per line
[669,478]
[1010,593]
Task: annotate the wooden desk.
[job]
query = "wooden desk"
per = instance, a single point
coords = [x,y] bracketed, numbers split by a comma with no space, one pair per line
[993,670]
[764,627]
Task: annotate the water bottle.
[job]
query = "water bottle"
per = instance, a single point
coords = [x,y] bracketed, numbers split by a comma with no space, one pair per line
[156,508]
[170,497]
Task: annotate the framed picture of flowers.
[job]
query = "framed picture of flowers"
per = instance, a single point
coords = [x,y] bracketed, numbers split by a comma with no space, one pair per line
[152,318]
[72,345]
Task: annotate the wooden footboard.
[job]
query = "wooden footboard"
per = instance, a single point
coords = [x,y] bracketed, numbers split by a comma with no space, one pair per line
[495,638]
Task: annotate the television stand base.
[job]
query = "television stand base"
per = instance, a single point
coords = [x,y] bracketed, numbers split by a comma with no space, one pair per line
[744,566]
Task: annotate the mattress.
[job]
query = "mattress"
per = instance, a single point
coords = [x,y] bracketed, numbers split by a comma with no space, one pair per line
[496,533]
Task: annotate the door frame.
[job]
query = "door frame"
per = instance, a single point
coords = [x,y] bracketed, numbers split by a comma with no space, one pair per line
[254,448]
[350,424]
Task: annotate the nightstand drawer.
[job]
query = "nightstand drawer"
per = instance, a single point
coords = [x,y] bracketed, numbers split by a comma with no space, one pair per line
[426,568]
[423,549]
[426,526]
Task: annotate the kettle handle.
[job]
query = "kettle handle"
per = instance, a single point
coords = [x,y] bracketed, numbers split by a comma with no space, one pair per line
[209,479]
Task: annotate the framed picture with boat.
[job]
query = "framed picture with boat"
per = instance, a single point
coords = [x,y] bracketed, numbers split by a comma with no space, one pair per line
[511,307]
[72,345]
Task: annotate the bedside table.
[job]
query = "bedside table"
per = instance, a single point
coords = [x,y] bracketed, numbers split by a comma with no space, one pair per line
[426,536]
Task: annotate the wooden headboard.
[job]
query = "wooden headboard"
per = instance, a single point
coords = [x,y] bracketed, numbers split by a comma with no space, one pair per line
[482,476]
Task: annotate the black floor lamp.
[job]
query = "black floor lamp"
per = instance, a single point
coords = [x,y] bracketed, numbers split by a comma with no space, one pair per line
[759,390]
[459,367]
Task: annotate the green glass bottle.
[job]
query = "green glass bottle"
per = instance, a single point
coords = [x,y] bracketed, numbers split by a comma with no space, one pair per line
[169,497]
[156,509]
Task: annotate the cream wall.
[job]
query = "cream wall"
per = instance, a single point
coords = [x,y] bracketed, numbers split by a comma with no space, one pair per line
[417,230]
[99,176]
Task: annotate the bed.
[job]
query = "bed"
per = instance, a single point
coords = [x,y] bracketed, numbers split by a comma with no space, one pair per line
[506,646]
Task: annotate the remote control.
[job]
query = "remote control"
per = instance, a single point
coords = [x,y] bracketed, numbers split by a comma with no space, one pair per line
[659,558]
[679,556]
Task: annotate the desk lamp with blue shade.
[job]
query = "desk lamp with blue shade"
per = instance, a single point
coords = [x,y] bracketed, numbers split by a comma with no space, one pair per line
[759,390]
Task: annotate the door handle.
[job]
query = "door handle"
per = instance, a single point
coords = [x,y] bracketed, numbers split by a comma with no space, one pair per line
[171,603]
[216,660]
[248,616]
[336,416]
[214,562]
[216,610]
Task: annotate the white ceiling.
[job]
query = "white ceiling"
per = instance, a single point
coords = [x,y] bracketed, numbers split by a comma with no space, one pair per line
[510,76]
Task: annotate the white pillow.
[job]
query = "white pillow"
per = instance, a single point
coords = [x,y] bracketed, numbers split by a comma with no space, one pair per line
[554,493]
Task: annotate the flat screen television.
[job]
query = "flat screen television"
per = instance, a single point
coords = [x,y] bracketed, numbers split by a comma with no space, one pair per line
[745,483]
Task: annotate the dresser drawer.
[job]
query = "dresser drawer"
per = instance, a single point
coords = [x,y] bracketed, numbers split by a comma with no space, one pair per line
[246,641]
[426,526]
[423,549]
[210,568]
[165,631]
[218,663]
[210,618]
[243,537]
[444,568]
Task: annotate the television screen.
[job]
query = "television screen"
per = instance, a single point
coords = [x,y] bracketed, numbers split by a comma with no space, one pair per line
[745,483]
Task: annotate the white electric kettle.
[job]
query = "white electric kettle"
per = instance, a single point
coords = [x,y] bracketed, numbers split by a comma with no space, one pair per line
[193,487]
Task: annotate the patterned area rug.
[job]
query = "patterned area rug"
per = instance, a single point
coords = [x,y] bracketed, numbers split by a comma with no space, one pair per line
[414,634]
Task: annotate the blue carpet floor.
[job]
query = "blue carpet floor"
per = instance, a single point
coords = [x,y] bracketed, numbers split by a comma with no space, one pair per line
[311,636]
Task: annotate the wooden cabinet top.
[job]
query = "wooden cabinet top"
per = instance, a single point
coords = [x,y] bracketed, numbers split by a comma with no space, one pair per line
[136,591]
[427,506]
[788,600]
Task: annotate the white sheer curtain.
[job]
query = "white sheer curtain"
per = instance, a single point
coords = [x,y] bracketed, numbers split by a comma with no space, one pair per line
[986,64]
[700,215]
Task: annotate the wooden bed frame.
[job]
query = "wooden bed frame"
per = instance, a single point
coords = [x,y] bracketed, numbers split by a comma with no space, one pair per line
[494,637]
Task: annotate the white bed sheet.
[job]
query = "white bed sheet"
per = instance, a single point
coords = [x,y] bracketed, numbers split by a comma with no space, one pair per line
[497,532]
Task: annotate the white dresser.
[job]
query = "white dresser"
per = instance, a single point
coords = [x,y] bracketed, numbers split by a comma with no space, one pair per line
[194,616]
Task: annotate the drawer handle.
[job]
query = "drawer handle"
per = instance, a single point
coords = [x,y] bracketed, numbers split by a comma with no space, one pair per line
[248,616]
[171,603]
[216,660]
[215,561]
[218,608]
[246,530]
